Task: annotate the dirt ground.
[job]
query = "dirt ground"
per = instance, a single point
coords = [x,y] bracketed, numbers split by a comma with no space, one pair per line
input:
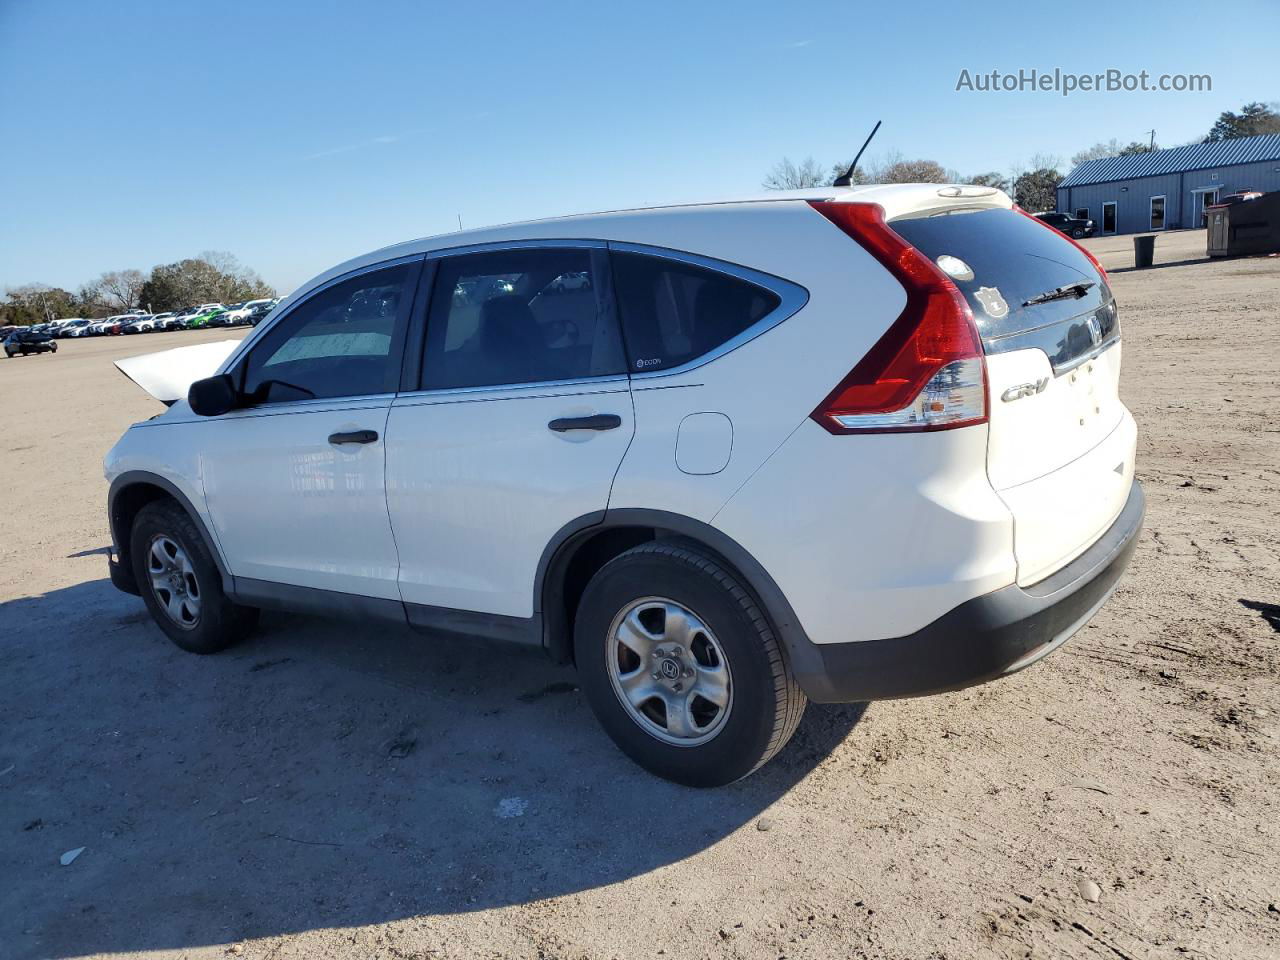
[330,789]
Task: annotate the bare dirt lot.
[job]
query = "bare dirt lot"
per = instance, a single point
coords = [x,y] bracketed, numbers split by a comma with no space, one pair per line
[335,790]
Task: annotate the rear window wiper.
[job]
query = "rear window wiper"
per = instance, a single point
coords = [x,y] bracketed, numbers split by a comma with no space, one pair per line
[1074,290]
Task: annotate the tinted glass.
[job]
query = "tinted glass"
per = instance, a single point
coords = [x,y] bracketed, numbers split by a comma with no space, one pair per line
[674,312]
[519,316]
[1012,259]
[342,342]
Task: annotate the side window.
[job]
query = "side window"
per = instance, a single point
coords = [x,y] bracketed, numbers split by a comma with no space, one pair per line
[674,312]
[519,316]
[345,341]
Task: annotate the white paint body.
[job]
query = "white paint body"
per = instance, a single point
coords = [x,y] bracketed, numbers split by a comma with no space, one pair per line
[868,537]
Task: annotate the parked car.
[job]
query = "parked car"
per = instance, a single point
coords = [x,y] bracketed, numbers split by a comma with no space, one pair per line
[203,314]
[577,280]
[264,307]
[178,320]
[28,341]
[238,313]
[116,325]
[146,323]
[1071,226]
[779,460]
[74,328]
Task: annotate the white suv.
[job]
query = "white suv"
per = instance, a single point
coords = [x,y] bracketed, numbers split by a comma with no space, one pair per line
[841,445]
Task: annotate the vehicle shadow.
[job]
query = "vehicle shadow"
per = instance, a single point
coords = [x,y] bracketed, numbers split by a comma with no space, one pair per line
[323,774]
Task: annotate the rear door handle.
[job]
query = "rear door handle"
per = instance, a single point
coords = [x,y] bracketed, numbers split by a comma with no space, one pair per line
[354,436]
[601,421]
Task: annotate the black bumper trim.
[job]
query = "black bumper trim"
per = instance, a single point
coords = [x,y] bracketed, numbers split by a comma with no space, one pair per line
[982,639]
[122,577]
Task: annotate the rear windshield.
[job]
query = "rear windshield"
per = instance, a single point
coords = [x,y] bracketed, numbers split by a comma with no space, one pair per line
[1000,259]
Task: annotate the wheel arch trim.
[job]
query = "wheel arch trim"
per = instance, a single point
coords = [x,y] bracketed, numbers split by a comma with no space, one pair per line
[134,478]
[560,550]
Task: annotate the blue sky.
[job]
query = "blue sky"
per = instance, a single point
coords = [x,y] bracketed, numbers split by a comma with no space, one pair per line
[296,135]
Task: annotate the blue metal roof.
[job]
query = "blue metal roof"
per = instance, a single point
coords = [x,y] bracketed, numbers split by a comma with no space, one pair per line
[1197,156]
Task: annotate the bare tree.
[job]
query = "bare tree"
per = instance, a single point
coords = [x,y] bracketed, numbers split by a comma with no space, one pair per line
[120,288]
[786,175]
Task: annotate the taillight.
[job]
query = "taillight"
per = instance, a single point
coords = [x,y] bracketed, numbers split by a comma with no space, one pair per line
[1070,239]
[927,372]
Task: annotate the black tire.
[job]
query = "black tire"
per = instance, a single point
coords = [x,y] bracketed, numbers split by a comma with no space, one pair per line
[219,622]
[1078,233]
[766,703]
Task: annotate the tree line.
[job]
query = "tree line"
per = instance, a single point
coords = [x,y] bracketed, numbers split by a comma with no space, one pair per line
[1032,185]
[213,276]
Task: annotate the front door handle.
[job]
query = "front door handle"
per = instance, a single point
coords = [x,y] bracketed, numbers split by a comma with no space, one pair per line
[601,421]
[354,436]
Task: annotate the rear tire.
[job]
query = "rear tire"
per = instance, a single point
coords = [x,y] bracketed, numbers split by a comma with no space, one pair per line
[180,582]
[658,627]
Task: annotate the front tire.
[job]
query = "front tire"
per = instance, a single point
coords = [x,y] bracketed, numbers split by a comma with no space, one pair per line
[180,582]
[1078,233]
[681,667]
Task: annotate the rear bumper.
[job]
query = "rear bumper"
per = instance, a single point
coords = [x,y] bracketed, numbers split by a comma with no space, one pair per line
[983,639]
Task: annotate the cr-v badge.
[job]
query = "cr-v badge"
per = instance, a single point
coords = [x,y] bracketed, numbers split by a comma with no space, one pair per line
[1025,390]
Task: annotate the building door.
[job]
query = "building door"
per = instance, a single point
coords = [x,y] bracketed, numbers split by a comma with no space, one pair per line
[1157,213]
[1109,217]
[1200,199]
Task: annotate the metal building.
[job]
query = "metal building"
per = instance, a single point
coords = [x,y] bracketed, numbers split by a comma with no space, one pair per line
[1168,189]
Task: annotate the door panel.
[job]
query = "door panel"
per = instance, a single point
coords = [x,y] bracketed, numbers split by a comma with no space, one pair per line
[521,420]
[295,481]
[290,507]
[478,483]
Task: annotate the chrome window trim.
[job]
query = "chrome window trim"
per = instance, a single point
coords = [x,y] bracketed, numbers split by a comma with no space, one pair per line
[270,321]
[369,401]
[791,296]
[544,388]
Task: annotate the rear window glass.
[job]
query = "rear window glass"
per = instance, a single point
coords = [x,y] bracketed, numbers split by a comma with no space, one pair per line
[674,312]
[1009,259]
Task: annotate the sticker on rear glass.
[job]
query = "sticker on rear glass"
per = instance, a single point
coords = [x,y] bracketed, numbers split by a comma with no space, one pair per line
[992,302]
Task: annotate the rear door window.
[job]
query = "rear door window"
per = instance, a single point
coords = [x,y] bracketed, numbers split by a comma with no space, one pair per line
[674,312]
[1001,259]
[510,317]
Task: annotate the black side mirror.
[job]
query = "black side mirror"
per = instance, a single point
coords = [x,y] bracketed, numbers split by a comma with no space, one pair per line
[213,396]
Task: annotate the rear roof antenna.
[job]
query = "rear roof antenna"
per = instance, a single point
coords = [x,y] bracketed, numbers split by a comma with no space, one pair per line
[846,178]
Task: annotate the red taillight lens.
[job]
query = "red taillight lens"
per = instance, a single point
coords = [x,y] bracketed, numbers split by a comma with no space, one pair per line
[927,372]
[1071,240]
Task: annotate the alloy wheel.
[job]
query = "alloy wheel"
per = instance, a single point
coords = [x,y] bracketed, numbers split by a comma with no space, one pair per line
[669,671]
[173,580]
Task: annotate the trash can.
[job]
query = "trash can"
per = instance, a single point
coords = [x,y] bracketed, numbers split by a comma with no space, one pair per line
[1144,250]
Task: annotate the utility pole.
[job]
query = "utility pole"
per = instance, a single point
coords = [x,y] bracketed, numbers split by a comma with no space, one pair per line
[1152,145]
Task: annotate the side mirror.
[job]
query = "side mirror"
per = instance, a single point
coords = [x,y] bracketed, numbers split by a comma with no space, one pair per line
[213,396]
